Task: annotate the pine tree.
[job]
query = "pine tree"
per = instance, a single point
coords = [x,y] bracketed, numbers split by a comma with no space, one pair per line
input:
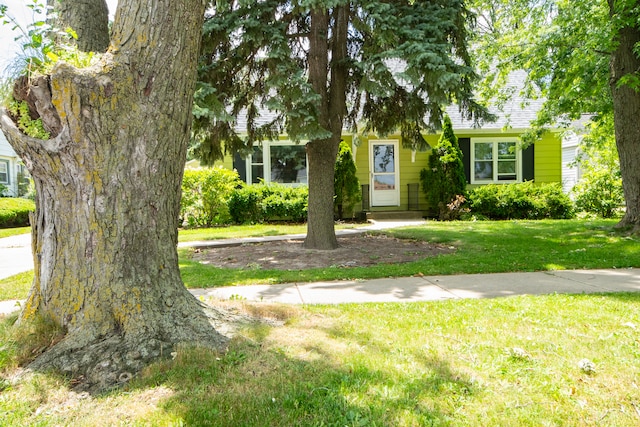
[444,179]
[322,66]
[346,184]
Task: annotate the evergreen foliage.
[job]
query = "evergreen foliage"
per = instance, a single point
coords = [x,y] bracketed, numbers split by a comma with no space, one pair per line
[346,184]
[311,69]
[405,60]
[444,179]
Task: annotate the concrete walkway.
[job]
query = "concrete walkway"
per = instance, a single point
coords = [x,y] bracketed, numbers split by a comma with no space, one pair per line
[15,257]
[434,288]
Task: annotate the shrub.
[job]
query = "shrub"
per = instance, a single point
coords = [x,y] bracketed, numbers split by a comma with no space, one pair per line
[444,179]
[205,194]
[15,212]
[262,202]
[599,192]
[346,185]
[520,201]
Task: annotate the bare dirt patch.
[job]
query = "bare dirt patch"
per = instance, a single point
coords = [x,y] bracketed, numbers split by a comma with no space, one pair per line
[355,251]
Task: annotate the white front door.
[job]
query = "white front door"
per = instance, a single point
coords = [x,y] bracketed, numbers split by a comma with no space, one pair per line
[383,164]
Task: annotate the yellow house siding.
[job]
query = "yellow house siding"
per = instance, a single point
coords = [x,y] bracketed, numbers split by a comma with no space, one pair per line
[226,163]
[409,171]
[548,159]
[547,162]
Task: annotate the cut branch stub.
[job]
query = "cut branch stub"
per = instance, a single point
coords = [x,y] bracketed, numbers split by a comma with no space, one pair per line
[36,92]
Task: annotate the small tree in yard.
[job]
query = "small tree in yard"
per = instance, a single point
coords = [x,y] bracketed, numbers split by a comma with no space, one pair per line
[444,180]
[599,190]
[346,184]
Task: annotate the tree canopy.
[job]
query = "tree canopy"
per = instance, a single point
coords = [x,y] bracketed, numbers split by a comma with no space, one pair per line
[582,57]
[404,61]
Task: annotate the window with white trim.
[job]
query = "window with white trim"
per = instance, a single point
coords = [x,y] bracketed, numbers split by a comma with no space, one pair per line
[4,172]
[278,161]
[495,160]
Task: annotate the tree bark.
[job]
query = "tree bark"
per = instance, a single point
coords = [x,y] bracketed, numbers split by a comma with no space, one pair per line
[328,79]
[88,18]
[108,196]
[626,110]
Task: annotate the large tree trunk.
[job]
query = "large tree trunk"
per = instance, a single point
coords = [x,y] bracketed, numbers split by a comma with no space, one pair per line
[88,18]
[626,110]
[322,153]
[108,195]
[320,225]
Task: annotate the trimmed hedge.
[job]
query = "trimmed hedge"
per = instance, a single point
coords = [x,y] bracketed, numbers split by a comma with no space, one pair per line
[205,194]
[261,202]
[15,212]
[520,201]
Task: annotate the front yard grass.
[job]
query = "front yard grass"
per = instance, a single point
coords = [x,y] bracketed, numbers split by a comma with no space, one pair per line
[571,360]
[481,247]
[8,232]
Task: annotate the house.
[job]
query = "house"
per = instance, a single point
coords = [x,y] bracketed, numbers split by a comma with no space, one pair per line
[10,168]
[571,171]
[390,174]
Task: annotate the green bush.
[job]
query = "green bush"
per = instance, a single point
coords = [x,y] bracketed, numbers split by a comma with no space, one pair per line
[262,202]
[15,212]
[205,194]
[346,186]
[520,201]
[444,181]
[599,192]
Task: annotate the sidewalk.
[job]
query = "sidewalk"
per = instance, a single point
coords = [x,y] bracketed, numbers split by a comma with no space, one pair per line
[15,256]
[434,288]
[424,288]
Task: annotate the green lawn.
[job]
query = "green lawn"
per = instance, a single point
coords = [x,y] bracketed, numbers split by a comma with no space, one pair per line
[8,232]
[520,361]
[571,360]
[481,247]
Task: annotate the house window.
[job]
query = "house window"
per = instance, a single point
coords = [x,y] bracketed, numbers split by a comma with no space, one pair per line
[4,172]
[278,161]
[257,165]
[495,160]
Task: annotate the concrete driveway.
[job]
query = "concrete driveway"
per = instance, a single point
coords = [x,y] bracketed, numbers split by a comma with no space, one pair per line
[15,255]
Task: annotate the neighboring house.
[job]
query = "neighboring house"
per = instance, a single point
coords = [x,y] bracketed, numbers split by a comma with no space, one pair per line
[10,167]
[571,171]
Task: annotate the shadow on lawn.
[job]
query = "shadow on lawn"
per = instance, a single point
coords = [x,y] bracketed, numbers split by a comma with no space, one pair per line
[307,385]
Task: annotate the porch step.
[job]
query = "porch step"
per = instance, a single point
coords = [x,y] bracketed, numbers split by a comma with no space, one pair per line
[394,215]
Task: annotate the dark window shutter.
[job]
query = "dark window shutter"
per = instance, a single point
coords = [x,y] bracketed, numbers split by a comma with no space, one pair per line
[528,156]
[240,165]
[465,147]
